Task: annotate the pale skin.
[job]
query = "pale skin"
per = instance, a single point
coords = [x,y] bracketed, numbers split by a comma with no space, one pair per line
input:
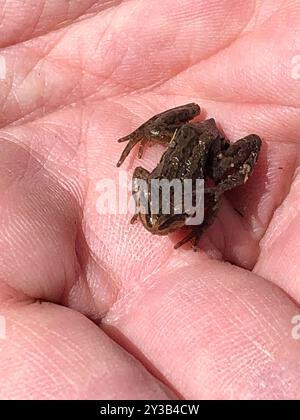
[75,283]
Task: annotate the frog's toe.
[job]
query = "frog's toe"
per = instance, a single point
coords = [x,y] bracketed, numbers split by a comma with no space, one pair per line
[142,145]
[134,218]
[196,246]
[126,138]
[186,239]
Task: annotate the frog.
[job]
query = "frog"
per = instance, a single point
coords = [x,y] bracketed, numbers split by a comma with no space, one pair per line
[194,150]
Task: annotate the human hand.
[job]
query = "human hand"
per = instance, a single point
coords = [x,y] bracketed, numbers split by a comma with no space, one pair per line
[76,76]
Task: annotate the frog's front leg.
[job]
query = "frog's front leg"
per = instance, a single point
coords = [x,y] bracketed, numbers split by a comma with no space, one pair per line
[212,203]
[232,164]
[159,128]
[140,190]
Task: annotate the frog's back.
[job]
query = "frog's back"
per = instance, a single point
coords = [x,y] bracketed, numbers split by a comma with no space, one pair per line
[187,153]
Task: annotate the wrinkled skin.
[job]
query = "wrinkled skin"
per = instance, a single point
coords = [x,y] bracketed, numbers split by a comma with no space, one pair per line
[95,307]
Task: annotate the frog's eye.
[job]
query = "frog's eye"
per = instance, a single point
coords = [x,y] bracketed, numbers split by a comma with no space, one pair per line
[154,132]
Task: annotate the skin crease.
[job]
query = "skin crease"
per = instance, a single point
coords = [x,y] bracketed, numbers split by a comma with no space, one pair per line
[95,307]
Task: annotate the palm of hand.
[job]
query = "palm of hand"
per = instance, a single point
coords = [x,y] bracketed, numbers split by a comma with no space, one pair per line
[204,328]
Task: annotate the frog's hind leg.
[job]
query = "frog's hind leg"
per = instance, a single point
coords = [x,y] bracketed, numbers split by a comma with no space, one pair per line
[233,164]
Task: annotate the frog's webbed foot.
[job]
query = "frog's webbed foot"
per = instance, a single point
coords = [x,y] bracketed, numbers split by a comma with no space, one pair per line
[160,128]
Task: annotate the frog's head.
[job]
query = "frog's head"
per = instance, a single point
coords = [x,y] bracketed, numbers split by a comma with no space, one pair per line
[159,214]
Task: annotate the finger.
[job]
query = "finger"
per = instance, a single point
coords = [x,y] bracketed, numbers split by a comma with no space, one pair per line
[280,254]
[212,331]
[37,238]
[51,352]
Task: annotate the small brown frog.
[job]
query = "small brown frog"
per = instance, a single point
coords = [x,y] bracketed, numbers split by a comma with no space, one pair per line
[194,151]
